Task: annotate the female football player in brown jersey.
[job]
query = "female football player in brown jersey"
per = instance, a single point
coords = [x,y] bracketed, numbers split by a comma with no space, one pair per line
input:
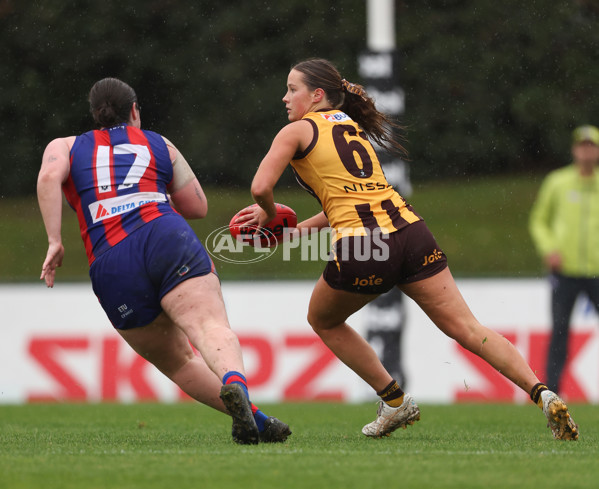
[328,146]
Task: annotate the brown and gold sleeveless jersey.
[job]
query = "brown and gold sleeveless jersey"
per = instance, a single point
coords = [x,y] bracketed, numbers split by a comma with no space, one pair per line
[340,168]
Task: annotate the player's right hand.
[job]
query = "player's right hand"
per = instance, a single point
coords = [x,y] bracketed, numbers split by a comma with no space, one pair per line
[52,262]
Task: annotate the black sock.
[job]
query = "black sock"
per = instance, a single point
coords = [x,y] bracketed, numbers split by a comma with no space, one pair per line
[392,394]
[535,393]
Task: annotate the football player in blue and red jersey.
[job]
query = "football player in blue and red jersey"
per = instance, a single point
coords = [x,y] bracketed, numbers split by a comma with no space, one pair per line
[132,190]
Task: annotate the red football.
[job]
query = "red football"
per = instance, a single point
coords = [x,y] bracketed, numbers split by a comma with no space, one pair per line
[270,234]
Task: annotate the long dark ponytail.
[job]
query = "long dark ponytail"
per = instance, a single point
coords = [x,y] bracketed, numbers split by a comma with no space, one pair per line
[352,99]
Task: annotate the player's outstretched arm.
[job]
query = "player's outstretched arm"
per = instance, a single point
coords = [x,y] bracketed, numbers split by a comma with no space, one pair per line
[284,146]
[53,173]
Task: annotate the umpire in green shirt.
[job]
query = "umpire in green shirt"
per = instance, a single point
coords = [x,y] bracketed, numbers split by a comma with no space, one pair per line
[564,224]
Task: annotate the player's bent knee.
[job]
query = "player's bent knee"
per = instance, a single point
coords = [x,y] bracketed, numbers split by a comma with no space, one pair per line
[314,322]
[172,365]
[321,325]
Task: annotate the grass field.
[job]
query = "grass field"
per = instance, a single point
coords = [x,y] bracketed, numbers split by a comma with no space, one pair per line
[186,445]
[480,224]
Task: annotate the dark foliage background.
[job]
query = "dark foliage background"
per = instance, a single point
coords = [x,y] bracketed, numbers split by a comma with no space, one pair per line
[491,87]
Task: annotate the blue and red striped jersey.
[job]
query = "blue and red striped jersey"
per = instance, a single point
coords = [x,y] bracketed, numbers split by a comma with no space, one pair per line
[117,183]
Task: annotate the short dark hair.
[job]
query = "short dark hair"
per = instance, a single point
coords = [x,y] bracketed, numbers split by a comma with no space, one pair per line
[110,101]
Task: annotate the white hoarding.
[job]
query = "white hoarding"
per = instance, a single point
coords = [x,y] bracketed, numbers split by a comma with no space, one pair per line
[56,344]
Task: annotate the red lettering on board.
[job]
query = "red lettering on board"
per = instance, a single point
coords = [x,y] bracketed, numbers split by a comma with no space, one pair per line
[117,372]
[47,352]
[539,346]
[301,387]
[496,387]
[266,359]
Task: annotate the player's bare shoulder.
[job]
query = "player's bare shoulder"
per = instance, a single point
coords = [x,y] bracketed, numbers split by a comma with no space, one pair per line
[302,127]
[299,133]
[61,144]
[57,151]
[172,150]
[69,141]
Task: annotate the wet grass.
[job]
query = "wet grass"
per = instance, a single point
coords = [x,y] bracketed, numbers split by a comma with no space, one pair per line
[186,445]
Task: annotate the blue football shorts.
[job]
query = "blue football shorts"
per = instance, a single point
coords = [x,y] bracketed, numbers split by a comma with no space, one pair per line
[132,277]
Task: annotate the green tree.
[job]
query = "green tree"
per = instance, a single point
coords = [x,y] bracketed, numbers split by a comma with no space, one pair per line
[496,86]
[209,75]
[490,86]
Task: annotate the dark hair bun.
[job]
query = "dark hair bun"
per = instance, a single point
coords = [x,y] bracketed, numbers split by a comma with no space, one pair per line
[110,102]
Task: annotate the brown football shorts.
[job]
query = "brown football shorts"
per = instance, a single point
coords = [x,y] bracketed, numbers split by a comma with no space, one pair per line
[375,263]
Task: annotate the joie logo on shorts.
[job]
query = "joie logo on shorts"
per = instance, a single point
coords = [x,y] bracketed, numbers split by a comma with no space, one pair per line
[363,282]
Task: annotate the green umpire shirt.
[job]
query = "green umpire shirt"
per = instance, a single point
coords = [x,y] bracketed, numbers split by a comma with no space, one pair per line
[565,218]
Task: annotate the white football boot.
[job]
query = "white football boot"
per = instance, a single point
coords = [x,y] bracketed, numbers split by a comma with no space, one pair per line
[559,420]
[391,418]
